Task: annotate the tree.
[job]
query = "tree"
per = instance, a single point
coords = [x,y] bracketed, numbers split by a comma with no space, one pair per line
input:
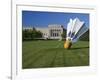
[63,34]
[38,34]
[31,34]
[85,36]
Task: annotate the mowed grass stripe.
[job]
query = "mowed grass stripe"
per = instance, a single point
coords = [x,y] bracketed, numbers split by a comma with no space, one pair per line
[73,59]
[58,60]
[35,45]
[43,54]
[32,57]
[30,52]
[44,61]
[64,58]
[53,60]
[83,57]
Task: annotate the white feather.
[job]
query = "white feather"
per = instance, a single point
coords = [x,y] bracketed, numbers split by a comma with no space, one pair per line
[75,29]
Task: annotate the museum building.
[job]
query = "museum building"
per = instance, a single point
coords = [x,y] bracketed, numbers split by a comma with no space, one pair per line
[53,31]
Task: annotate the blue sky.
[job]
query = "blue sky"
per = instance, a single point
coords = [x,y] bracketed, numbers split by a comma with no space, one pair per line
[43,19]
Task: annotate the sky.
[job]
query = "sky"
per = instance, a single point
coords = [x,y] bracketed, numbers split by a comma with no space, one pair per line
[43,19]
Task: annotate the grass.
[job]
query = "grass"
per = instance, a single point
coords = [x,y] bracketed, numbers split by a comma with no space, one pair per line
[44,54]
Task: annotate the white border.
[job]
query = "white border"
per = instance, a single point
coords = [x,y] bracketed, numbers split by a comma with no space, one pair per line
[18,73]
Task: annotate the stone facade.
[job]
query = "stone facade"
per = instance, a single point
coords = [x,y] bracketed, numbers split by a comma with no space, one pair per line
[53,31]
[44,31]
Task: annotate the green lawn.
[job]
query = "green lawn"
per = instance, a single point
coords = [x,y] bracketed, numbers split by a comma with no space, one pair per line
[50,53]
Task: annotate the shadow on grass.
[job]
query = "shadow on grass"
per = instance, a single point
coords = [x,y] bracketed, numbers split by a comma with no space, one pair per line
[61,49]
[79,48]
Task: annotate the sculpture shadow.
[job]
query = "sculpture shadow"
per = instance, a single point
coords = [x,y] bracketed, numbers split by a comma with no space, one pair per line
[79,48]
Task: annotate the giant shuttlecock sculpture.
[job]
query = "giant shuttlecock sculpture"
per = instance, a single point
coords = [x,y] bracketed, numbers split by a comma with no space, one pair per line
[75,29]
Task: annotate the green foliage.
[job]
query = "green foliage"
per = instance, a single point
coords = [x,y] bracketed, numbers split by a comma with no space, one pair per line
[63,34]
[31,34]
[85,36]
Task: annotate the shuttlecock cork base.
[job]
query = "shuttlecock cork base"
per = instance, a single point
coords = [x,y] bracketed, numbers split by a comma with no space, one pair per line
[67,44]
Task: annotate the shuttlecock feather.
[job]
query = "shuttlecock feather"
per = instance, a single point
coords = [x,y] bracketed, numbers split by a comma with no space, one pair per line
[75,29]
